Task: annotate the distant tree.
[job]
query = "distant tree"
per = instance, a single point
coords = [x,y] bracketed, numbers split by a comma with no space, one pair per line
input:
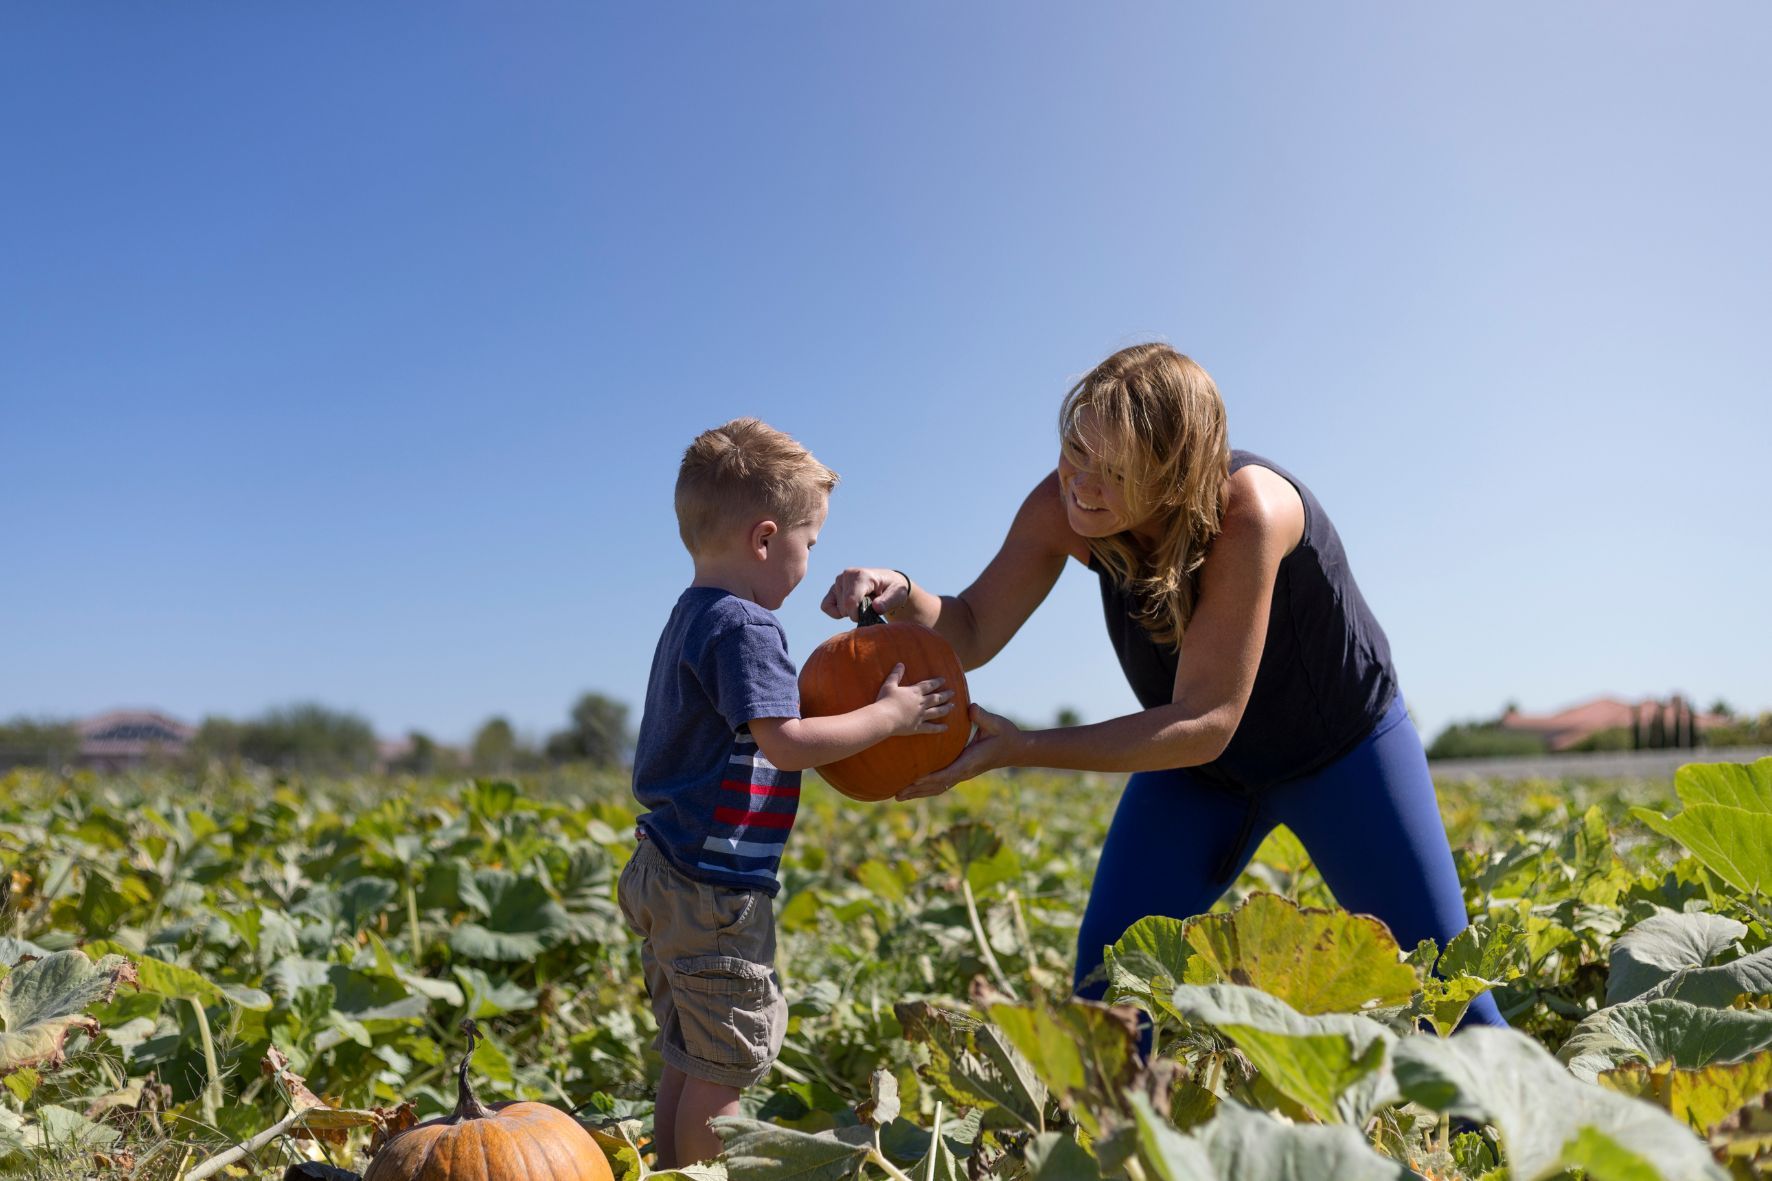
[1658,728]
[1481,740]
[218,740]
[1614,738]
[1067,716]
[1742,731]
[1721,708]
[28,742]
[309,737]
[496,750]
[424,757]
[599,733]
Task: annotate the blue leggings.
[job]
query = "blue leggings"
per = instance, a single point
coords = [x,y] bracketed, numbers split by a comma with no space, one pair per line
[1369,820]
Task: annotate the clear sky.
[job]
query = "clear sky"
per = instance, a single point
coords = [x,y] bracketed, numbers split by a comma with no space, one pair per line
[347,351]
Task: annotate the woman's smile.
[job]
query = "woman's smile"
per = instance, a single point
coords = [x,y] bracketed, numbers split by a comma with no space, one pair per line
[1077,499]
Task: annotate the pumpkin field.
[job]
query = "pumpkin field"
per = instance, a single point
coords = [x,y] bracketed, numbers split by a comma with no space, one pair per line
[261,977]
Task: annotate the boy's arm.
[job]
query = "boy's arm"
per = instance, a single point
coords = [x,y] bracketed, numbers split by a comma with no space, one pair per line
[794,744]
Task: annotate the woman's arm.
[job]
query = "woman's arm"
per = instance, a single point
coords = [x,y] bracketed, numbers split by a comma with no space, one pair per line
[980,619]
[1264,520]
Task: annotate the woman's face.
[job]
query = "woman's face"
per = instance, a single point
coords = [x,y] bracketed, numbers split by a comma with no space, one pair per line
[1094,488]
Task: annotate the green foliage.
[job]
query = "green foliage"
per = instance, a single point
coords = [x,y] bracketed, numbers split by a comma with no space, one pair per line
[1741,731]
[599,733]
[306,737]
[1484,740]
[496,749]
[1666,943]
[1726,822]
[424,757]
[28,742]
[1548,1120]
[43,1001]
[1615,738]
[1334,1066]
[344,927]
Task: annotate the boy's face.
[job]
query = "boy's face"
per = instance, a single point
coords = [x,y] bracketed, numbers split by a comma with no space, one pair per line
[785,556]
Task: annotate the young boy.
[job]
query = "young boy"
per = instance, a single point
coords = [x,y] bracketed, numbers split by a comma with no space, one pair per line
[718,764]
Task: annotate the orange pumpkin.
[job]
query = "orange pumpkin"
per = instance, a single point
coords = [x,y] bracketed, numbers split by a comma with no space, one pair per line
[844,673]
[503,1142]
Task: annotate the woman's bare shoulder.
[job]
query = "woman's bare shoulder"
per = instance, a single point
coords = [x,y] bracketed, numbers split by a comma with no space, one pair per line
[1262,506]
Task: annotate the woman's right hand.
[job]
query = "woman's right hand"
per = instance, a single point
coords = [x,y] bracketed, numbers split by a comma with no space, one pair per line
[888,589]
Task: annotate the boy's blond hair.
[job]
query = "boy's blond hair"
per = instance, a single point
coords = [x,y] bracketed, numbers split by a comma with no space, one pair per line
[744,472]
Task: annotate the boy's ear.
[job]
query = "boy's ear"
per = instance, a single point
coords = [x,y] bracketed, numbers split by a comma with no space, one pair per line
[761,532]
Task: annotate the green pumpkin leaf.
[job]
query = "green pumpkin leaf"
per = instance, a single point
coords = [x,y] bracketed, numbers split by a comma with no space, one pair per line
[1663,944]
[1335,1065]
[1056,1156]
[763,1152]
[1548,1120]
[486,998]
[620,1142]
[177,981]
[1081,1050]
[1167,1154]
[1653,1032]
[12,950]
[1738,785]
[358,996]
[1146,963]
[22,1083]
[1246,1145]
[44,1001]
[62,1130]
[1702,1098]
[1317,961]
[973,1064]
[1733,843]
[521,920]
[1490,952]
[1717,987]
[712,1171]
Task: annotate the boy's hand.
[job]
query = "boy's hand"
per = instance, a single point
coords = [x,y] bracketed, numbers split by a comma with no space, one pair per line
[918,708]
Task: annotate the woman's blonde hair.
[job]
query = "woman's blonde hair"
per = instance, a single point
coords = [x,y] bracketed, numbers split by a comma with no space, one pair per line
[744,472]
[1158,426]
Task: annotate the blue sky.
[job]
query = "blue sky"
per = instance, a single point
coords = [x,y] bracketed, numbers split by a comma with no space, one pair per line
[347,351]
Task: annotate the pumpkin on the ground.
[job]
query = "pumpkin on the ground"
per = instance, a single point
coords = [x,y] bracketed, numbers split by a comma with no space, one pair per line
[845,672]
[500,1142]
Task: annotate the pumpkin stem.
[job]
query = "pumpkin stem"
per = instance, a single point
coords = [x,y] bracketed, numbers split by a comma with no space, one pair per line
[467,1104]
[865,615]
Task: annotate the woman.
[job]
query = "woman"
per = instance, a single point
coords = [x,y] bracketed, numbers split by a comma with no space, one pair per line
[1285,709]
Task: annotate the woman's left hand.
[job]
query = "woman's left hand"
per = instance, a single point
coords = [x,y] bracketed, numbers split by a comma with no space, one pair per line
[993,746]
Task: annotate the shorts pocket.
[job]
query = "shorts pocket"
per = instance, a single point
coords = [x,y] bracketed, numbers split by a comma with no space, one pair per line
[735,909]
[624,892]
[726,1009]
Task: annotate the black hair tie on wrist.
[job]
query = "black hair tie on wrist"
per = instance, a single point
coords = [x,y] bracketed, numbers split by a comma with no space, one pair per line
[908,587]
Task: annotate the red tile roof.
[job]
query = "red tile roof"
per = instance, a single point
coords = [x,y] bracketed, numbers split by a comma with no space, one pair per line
[1567,727]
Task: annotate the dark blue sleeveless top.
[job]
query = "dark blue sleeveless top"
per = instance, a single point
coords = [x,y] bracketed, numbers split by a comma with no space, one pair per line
[1325,677]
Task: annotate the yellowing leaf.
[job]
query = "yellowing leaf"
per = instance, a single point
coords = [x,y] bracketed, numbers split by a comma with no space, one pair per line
[1317,961]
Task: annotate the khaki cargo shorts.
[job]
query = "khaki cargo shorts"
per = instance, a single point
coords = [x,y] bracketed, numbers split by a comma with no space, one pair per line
[709,959]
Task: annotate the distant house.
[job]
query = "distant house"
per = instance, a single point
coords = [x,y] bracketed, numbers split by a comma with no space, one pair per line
[1671,723]
[391,751]
[126,738]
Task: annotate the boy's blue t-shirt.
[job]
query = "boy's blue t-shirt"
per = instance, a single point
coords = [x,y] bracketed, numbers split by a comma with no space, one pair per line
[719,810]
